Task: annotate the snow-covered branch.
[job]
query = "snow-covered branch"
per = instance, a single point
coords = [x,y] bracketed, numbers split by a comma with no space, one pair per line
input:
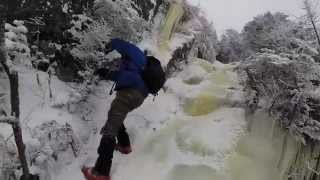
[8,120]
[6,67]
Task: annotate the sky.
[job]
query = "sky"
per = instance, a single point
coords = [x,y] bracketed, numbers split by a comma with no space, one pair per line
[236,13]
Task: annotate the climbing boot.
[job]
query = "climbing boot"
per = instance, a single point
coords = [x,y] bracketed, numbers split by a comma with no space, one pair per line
[90,175]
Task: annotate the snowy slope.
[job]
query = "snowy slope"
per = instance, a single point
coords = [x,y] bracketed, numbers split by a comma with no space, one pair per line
[168,141]
[189,132]
[186,133]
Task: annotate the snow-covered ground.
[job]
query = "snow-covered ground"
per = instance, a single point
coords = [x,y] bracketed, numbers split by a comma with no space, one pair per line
[193,130]
[186,133]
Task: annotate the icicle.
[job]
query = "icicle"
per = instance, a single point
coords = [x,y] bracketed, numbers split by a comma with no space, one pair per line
[274,122]
[304,163]
[284,149]
[314,176]
[289,171]
[296,162]
[313,163]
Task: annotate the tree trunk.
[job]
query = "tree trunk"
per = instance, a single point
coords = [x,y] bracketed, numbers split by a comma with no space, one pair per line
[14,97]
[316,32]
[2,30]
[15,111]
[312,16]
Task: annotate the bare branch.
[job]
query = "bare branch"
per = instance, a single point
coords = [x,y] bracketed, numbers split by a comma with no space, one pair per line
[312,16]
[6,68]
[9,120]
[2,30]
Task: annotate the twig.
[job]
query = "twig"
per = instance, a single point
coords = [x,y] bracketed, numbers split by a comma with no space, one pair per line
[311,169]
[8,138]
[9,120]
[6,68]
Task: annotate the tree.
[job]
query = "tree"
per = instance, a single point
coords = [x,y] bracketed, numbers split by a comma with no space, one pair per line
[125,24]
[205,42]
[274,32]
[312,16]
[231,47]
[56,14]
[14,97]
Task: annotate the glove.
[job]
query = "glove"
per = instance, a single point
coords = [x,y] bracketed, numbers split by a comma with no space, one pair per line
[103,73]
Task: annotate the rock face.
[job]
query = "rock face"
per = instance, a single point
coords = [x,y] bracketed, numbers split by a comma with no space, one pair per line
[288,86]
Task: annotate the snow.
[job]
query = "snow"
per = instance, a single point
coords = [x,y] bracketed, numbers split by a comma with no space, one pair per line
[9,44]
[195,129]
[65,8]
[17,28]
[16,40]
[65,98]
[21,29]
[192,142]
[169,138]
[164,137]
[151,44]
[163,40]
[18,23]
[45,127]
[179,39]
[8,26]
[10,35]
[188,131]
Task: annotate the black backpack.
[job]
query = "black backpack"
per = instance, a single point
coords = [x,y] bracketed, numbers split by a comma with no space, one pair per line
[153,75]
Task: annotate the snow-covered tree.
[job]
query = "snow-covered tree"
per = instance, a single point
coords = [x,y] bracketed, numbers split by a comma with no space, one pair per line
[16,41]
[205,36]
[275,32]
[312,17]
[121,16]
[90,34]
[267,31]
[206,41]
[231,47]
[56,15]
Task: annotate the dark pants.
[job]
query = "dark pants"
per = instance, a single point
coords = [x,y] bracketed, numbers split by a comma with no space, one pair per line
[125,101]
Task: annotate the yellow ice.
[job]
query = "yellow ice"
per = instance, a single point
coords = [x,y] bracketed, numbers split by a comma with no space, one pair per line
[173,17]
[215,95]
[257,154]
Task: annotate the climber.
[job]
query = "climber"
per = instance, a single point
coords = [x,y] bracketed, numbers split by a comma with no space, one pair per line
[133,84]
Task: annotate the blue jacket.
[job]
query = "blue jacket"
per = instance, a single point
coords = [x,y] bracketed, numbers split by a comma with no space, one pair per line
[133,62]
